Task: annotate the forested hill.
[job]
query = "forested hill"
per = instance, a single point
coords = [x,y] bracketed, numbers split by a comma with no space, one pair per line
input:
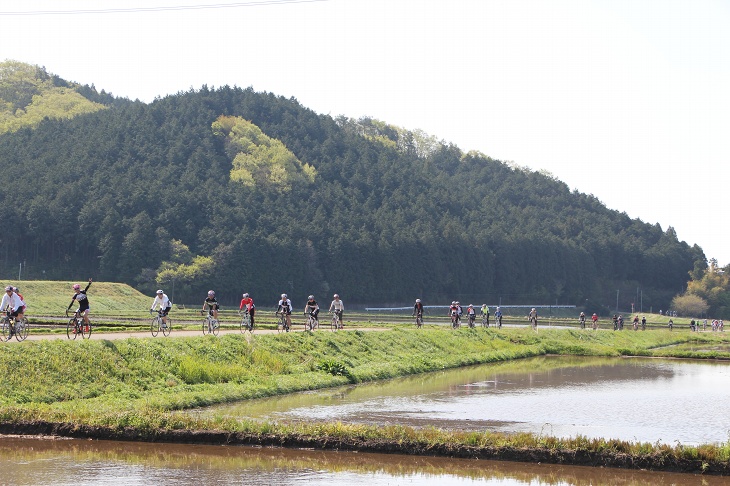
[238,190]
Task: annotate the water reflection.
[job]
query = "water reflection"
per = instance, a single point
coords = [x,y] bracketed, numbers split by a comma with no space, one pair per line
[30,461]
[632,399]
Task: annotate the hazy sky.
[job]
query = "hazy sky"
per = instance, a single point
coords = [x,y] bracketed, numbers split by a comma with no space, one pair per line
[627,100]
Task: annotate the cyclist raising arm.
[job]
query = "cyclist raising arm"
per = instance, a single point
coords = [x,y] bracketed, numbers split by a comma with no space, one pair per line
[164,304]
[211,304]
[338,307]
[247,302]
[80,297]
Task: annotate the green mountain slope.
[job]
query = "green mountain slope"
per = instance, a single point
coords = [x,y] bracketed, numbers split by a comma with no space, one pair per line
[238,191]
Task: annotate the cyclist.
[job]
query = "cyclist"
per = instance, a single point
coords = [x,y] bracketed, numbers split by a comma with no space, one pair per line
[670,324]
[498,317]
[471,314]
[338,307]
[459,310]
[643,323]
[285,308]
[80,297]
[636,323]
[13,304]
[247,302]
[418,309]
[533,317]
[582,319]
[211,304]
[312,307]
[25,306]
[620,322]
[164,304]
[594,318]
[454,313]
[615,322]
[485,314]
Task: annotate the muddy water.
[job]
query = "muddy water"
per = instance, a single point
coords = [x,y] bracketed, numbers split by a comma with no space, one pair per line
[633,399]
[29,461]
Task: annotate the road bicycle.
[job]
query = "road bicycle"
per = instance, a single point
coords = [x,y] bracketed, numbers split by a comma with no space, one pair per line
[158,325]
[595,324]
[246,324]
[582,322]
[11,326]
[312,322]
[470,320]
[282,324]
[636,325]
[533,323]
[77,327]
[485,320]
[335,324]
[211,324]
[419,320]
[499,321]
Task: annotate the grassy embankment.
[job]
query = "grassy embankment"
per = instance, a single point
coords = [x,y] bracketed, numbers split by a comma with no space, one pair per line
[137,388]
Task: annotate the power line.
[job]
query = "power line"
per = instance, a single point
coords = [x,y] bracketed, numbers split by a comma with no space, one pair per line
[258,3]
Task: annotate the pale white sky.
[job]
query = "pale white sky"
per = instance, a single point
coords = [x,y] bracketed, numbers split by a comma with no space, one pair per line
[628,100]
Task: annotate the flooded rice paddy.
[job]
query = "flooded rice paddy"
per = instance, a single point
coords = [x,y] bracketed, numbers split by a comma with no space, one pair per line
[636,399]
[32,461]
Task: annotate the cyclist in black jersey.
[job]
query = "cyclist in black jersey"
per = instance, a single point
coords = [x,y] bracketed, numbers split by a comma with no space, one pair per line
[211,304]
[80,297]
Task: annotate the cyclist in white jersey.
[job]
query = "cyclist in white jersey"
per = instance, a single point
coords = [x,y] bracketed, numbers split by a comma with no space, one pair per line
[339,307]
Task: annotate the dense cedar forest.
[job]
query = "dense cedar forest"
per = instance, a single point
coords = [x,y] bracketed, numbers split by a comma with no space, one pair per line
[238,190]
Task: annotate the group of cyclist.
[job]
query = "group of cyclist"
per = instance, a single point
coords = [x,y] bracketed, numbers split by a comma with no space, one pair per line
[284,308]
[456,312]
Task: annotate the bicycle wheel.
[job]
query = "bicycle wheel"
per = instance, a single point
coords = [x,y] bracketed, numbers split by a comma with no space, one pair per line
[155,326]
[21,329]
[419,322]
[167,327]
[246,323]
[5,326]
[72,329]
[85,330]
[215,326]
[334,325]
[207,327]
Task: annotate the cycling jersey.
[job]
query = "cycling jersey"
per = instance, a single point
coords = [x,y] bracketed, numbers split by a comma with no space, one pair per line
[12,302]
[285,306]
[162,301]
[247,303]
[337,305]
[418,308]
[211,303]
[485,311]
[81,298]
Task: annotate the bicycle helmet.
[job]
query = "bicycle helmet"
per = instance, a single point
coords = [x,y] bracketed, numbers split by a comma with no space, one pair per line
[336,296]
[77,287]
[311,297]
[470,306]
[418,301]
[245,296]
[211,293]
[8,289]
[160,292]
[283,296]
